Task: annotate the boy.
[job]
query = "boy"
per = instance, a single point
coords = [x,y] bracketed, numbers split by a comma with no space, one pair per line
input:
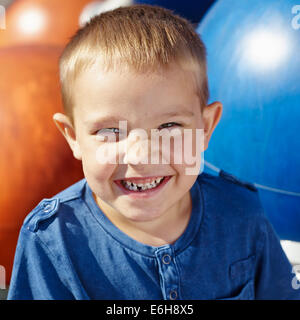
[137,229]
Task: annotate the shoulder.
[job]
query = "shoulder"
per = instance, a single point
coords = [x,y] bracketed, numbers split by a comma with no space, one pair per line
[48,208]
[225,178]
[230,178]
[233,210]
[231,194]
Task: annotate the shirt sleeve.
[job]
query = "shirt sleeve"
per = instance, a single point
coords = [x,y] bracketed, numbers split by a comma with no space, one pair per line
[275,279]
[34,276]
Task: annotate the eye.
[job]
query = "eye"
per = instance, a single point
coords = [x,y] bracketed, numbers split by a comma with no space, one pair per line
[169,125]
[107,130]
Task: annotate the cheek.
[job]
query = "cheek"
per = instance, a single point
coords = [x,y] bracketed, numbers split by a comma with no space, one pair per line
[101,173]
[186,149]
[183,180]
[93,170]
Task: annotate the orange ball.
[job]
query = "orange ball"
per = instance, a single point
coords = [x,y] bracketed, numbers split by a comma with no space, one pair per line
[36,162]
[49,22]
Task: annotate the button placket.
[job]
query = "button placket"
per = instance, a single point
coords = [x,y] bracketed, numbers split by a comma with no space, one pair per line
[169,273]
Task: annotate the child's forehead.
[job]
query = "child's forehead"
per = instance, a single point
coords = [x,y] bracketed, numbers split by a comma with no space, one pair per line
[122,70]
[138,88]
[173,80]
[116,93]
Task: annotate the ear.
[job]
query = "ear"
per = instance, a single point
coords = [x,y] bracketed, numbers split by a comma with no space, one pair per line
[211,115]
[65,126]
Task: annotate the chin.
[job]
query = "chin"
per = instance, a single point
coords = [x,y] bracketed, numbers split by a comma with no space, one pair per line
[143,216]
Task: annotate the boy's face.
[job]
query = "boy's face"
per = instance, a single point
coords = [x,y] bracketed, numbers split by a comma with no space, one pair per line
[144,101]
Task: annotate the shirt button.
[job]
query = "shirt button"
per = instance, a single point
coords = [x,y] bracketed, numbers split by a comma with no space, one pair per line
[173,294]
[166,259]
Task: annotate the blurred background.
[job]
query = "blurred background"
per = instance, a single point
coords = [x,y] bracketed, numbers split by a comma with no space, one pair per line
[253,69]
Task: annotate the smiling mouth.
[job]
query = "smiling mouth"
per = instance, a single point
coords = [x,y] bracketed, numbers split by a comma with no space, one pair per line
[148,185]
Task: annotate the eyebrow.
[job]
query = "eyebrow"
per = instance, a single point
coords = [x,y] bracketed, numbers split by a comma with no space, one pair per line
[103,120]
[114,119]
[185,113]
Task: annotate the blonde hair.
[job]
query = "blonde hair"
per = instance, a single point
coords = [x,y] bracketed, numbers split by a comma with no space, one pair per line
[141,37]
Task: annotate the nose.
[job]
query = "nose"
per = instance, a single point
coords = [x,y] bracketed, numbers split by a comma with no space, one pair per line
[136,149]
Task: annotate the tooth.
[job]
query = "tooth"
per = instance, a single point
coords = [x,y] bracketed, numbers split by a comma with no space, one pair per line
[134,187]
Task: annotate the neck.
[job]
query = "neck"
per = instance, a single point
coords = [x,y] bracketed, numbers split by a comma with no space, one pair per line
[154,233]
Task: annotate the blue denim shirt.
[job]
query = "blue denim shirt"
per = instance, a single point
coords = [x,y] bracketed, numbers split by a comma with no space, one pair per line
[69,249]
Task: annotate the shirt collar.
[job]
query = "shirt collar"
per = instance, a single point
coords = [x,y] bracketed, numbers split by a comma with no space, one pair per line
[126,241]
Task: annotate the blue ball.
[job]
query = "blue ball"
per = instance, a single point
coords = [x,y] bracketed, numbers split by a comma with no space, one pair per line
[189,9]
[253,52]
